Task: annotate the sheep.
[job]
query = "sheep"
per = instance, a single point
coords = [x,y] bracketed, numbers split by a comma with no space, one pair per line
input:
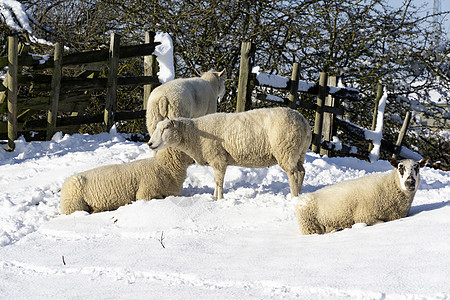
[185,97]
[371,199]
[109,187]
[254,139]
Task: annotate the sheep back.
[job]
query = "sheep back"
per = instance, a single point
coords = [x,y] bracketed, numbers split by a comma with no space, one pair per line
[109,187]
[253,139]
[370,199]
[183,97]
[103,188]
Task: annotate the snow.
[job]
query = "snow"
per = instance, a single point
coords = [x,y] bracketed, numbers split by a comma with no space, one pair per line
[246,246]
[337,143]
[376,135]
[405,152]
[274,98]
[271,80]
[304,86]
[164,56]
[16,18]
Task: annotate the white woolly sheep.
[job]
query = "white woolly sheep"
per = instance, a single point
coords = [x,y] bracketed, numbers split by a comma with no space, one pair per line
[185,97]
[370,199]
[109,187]
[253,139]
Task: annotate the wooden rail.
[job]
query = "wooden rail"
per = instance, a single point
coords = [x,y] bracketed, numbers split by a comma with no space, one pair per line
[65,92]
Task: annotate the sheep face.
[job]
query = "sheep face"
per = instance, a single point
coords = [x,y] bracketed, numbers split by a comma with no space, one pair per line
[164,135]
[408,173]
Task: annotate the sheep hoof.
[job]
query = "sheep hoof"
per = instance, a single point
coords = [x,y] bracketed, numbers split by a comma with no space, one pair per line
[212,198]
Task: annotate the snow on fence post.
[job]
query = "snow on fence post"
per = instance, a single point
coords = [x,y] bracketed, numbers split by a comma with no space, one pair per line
[150,67]
[111,86]
[54,91]
[318,123]
[401,135]
[328,117]
[245,68]
[12,84]
[375,111]
[376,136]
[164,57]
[293,91]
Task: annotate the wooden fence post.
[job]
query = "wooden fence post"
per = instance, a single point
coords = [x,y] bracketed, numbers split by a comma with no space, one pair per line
[401,135]
[293,91]
[54,92]
[318,123]
[150,67]
[245,69]
[111,86]
[375,111]
[12,91]
[328,118]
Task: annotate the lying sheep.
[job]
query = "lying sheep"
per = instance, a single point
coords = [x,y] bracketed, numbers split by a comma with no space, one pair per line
[254,139]
[185,97]
[109,187]
[370,199]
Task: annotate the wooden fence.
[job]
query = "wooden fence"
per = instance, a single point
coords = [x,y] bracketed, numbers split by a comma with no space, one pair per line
[326,108]
[69,94]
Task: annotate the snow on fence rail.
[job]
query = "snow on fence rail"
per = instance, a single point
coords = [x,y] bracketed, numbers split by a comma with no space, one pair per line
[327,108]
[70,94]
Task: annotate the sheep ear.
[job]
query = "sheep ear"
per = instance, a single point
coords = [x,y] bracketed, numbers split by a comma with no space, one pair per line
[423,162]
[222,72]
[393,162]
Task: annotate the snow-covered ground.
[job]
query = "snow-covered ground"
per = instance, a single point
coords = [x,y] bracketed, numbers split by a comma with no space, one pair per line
[246,246]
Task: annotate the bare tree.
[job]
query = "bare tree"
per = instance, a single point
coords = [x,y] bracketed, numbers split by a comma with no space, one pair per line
[366,42]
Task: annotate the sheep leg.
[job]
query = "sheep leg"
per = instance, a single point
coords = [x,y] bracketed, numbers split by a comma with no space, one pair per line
[219,175]
[72,195]
[373,222]
[307,219]
[69,206]
[293,177]
[301,177]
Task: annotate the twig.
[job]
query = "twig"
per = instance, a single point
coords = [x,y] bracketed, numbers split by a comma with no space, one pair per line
[161,240]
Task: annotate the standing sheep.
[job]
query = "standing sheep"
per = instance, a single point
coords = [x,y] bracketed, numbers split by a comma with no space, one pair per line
[109,187]
[254,139]
[185,97]
[370,199]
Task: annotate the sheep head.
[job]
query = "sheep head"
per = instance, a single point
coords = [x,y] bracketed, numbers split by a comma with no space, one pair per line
[218,79]
[165,135]
[408,173]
